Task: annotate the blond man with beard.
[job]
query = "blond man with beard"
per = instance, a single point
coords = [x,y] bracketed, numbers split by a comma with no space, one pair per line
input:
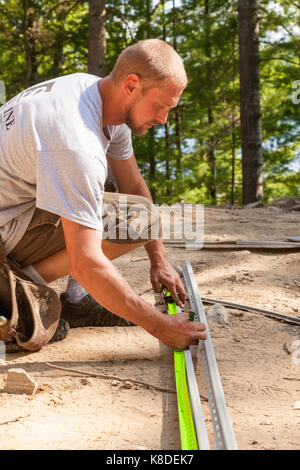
[59,141]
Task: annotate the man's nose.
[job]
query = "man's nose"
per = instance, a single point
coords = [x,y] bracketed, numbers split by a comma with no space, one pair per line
[163,117]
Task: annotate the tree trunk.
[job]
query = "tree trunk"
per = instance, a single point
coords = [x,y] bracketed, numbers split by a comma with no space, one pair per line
[29,28]
[152,162]
[233,131]
[212,186]
[232,154]
[250,101]
[97,38]
[167,147]
[178,137]
[178,144]
[151,132]
[210,117]
[58,56]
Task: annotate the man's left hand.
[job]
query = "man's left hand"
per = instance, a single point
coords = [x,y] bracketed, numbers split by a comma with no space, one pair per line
[164,274]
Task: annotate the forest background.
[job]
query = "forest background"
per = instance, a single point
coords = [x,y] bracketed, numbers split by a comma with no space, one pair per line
[234,52]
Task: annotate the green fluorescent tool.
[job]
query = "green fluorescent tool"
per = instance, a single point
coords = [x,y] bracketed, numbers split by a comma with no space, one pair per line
[187,429]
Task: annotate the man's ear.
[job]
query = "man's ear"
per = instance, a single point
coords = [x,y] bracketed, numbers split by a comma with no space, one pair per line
[131,84]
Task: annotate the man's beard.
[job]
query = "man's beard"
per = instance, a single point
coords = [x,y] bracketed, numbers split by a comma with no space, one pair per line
[137,130]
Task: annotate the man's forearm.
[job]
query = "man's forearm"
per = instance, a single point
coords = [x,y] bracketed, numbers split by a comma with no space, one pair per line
[101,279]
[156,252]
[104,282]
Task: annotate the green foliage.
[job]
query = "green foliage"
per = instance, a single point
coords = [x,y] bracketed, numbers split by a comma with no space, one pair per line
[193,160]
[279,53]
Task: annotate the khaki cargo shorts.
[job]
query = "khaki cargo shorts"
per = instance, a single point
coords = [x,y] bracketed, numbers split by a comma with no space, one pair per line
[128,219]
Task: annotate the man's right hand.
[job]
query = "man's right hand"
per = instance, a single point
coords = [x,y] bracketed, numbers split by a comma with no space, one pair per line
[179,332]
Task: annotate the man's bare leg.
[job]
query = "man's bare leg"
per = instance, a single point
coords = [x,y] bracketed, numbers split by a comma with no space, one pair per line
[78,308]
[55,266]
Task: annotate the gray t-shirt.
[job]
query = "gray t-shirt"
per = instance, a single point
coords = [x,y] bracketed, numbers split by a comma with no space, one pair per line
[53,154]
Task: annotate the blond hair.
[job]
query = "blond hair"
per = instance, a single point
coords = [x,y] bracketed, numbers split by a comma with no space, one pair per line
[154,61]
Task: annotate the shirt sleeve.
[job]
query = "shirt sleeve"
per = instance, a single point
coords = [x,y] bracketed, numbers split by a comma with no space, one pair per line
[120,146]
[71,184]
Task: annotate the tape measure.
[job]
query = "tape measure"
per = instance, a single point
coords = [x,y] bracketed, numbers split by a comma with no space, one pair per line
[186,423]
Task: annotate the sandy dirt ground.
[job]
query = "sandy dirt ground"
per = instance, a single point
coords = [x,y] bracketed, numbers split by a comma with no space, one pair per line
[257,356]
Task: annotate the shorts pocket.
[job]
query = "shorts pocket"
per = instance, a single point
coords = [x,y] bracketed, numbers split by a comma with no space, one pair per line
[42,217]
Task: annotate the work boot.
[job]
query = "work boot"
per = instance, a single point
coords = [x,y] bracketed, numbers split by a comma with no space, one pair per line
[87,312]
[62,330]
